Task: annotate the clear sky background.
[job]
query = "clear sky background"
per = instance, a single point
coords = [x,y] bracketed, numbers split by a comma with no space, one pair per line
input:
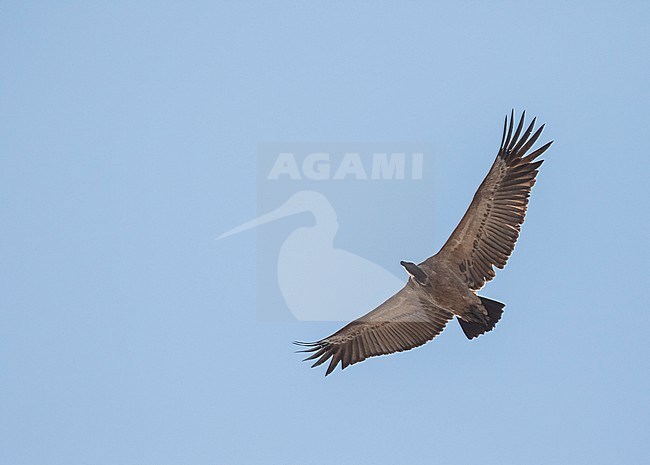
[128,135]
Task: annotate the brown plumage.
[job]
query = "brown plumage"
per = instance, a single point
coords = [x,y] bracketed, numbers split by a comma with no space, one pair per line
[445,285]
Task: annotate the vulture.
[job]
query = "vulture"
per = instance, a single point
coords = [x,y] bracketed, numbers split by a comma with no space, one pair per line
[445,285]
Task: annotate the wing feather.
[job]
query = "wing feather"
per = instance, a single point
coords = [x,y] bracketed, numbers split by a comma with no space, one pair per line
[403,322]
[486,236]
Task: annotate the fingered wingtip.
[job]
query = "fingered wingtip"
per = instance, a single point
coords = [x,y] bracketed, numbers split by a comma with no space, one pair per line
[303,344]
[309,350]
[307,347]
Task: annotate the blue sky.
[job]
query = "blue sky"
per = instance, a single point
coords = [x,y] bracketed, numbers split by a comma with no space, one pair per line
[129,134]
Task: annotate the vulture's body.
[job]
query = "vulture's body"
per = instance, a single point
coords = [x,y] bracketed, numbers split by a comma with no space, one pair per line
[444,286]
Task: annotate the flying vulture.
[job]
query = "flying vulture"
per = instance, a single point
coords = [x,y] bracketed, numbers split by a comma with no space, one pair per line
[445,285]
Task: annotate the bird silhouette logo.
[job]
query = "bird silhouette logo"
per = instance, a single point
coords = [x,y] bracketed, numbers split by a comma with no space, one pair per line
[313,275]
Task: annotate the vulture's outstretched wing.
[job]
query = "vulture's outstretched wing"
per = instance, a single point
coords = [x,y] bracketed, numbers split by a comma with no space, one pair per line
[487,234]
[401,323]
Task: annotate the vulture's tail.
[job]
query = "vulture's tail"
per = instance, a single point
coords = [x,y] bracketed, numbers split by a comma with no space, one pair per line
[494,310]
